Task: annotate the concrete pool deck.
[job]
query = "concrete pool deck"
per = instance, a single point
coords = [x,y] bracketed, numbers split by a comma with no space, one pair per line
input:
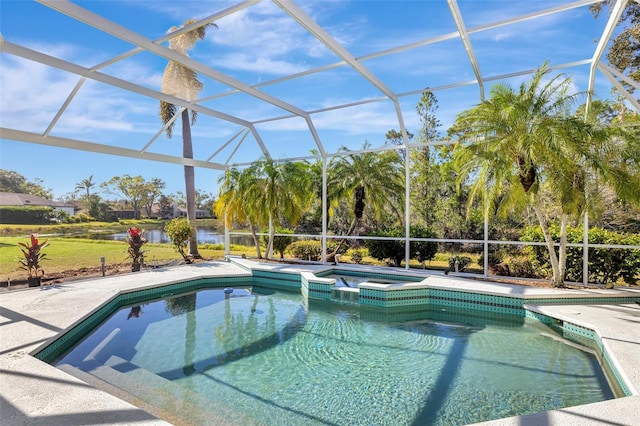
[33,392]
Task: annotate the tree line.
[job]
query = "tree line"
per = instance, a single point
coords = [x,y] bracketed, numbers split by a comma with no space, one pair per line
[523,157]
[526,156]
[98,200]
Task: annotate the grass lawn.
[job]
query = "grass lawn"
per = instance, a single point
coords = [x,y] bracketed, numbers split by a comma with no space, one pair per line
[73,228]
[74,254]
[65,254]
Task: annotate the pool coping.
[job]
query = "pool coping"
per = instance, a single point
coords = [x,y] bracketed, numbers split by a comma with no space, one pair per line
[33,392]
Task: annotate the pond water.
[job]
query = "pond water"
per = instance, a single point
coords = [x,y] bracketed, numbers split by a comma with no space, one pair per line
[205,235]
[262,357]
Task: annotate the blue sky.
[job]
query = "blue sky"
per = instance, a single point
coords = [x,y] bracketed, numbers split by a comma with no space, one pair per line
[256,45]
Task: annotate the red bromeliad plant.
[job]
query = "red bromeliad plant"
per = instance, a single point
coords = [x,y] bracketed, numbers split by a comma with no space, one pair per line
[32,257]
[136,241]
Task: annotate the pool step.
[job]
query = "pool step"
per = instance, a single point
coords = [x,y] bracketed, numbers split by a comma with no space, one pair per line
[346,294]
[107,387]
[156,395]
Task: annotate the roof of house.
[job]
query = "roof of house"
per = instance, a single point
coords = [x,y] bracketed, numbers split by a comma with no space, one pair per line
[17,199]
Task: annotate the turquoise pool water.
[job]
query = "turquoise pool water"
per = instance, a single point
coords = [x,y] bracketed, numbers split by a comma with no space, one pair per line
[264,357]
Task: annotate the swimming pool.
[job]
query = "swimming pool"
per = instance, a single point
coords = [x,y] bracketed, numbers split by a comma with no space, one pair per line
[257,356]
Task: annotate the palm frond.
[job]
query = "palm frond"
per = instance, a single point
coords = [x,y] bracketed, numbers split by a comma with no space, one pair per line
[167,112]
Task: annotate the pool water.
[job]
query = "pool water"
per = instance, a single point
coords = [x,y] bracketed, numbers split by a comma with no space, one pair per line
[353,281]
[261,357]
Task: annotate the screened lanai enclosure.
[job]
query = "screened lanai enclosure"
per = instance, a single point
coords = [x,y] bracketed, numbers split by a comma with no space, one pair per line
[292,81]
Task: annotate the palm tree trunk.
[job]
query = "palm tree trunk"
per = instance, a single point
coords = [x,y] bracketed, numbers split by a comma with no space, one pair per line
[358,212]
[562,255]
[256,240]
[272,232]
[190,337]
[558,279]
[331,257]
[189,183]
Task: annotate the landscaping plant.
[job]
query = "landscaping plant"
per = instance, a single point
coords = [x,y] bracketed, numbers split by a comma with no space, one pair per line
[606,265]
[395,249]
[458,264]
[179,232]
[31,262]
[280,242]
[136,241]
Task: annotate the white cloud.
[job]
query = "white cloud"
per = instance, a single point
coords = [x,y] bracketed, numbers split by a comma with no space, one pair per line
[502,35]
[530,30]
[32,94]
[136,72]
[360,120]
[241,61]
[481,13]
[85,123]
[129,69]
[263,38]
[66,51]
[184,9]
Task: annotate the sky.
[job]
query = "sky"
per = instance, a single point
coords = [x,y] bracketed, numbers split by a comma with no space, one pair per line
[254,46]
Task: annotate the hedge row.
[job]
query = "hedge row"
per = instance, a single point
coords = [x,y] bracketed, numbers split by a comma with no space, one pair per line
[25,215]
[606,265]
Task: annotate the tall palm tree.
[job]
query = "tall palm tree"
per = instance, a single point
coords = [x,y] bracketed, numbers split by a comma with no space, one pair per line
[375,179]
[183,83]
[86,185]
[518,144]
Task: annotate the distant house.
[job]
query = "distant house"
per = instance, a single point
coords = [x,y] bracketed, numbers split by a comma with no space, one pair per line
[16,199]
[127,213]
[200,213]
[123,213]
[180,212]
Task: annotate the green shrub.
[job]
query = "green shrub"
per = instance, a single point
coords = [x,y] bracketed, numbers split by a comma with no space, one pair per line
[395,249]
[496,255]
[522,266]
[179,232]
[422,250]
[306,249]
[606,265]
[310,249]
[29,215]
[280,242]
[79,218]
[355,255]
[387,249]
[210,246]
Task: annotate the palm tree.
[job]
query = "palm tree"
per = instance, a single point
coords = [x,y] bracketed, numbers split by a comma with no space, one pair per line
[520,144]
[315,169]
[237,202]
[283,191]
[368,178]
[263,195]
[86,185]
[183,83]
